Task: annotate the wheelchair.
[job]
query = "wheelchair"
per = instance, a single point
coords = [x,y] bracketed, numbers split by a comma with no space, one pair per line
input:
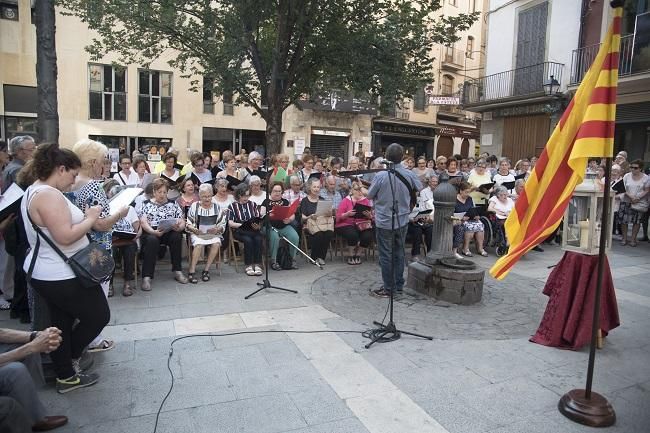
[494,234]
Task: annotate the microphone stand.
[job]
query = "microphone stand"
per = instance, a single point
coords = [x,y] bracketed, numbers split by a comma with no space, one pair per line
[390,332]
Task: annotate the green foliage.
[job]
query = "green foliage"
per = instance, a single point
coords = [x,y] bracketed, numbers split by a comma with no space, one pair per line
[283,49]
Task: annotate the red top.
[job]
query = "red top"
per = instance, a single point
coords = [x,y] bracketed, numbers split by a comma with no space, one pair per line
[345,206]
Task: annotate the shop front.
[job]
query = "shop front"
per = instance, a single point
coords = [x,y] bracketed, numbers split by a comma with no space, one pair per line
[221,139]
[417,139]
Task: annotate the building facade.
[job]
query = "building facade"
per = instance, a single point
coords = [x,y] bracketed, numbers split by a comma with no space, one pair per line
[528,49]
[433,123]
[632,132]
[129,108]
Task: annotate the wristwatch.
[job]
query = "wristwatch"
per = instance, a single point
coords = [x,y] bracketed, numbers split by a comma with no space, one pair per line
[33,335]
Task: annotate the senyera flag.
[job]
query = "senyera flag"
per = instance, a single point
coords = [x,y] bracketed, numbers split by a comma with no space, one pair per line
[585,130]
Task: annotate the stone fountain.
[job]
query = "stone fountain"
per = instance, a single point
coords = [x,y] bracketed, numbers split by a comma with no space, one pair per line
[441,275]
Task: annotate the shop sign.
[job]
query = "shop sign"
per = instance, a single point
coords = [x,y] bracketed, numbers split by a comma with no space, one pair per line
[443,100]
[457,132]
[393,128]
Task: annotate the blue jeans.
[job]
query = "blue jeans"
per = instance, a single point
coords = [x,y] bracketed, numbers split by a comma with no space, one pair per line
[391,244]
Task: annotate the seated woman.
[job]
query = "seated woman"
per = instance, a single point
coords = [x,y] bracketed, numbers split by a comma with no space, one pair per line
[282,226]
[188,196]
[479,177]
[140,167]
[245,220]
[230,168]
[125,228]
[501,205]
[355,228]
[223,199]
[258,195]
[469,227]
[162,222]
[206,222]
[319,230]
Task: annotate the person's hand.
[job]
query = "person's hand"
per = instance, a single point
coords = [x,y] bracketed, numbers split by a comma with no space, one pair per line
[92,212]
[286,220]
[5,222]
[178,226]
[367,214]
[312,216]
[219,230]
[256,226]
[158,233]
[47,340]
[349,213]
[213,231]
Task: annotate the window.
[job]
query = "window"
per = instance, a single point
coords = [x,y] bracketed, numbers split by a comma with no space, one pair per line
[21,126]
[9,10]
[154,96]
[447,85]
[419,99]
[228,108]
[107,92]
[470,47]
[208,96]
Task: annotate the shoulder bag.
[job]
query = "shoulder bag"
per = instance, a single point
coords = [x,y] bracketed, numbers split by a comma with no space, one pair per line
[92,265]
[320,224]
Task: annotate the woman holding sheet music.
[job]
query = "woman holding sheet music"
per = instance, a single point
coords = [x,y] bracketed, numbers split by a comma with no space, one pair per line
[479,177]
[231,170]
[162,222]
[354,223]
[282,226]
[206,222]
[170,171]
[140,167]
[188,195]
[469,226]
[245,220]
[320,228]
[634,203]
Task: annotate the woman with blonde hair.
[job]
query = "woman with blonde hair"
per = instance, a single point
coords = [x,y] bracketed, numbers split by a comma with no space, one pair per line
[87,191]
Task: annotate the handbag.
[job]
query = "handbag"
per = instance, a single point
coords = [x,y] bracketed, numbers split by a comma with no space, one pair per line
[363,225]
[92,265]
[320,224]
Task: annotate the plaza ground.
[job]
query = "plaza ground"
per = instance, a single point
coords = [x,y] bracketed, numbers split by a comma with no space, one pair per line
[479,374]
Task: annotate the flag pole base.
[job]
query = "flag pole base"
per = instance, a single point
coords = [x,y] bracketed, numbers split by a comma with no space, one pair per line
[593,412]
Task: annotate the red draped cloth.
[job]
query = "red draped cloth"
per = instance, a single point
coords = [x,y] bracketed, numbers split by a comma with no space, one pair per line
[571,289]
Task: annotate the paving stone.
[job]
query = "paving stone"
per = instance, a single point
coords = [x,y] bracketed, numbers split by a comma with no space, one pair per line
[349,425]
[320,404]
[255,415]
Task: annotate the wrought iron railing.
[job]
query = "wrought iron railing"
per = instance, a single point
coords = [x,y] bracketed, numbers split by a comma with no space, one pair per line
[628,63]
[518,82]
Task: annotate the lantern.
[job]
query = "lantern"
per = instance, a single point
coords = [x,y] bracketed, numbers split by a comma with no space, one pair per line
[583,218]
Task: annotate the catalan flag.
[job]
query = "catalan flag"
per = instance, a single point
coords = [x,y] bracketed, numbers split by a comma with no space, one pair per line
[585,130]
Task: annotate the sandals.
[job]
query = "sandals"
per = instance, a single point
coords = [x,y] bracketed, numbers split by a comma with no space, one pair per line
[354,260]
[205,275]
[467,253]
[484,253]
[275,266]
[103,346]
[633,244]
[250,271]
[192,278]
[258,270]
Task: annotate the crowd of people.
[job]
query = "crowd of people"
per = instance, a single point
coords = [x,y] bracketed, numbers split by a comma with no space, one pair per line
[207,204]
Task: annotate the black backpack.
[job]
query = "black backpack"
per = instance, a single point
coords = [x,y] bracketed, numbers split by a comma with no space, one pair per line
[284,258]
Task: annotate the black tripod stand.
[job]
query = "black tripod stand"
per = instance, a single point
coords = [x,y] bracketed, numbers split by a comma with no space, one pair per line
[389,332]
[266,284]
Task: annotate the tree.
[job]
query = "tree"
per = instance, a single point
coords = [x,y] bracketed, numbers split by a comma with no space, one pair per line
[271,53]
[46,71]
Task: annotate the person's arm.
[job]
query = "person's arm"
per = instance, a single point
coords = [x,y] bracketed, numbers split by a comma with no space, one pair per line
[374,187]
[52,210]
[44,342]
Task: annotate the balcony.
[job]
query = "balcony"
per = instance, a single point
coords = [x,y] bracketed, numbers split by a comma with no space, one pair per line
[515,84]
[634,58]
[399,111]
[453,59]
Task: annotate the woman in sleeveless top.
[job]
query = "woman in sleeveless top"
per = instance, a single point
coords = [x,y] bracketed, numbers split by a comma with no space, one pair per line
[67,226]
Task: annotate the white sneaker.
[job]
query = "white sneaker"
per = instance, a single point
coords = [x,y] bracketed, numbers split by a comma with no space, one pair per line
[146,284]
[458,256]
[320,262]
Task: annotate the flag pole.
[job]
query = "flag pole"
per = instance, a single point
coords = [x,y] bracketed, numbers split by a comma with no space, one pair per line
[583,405]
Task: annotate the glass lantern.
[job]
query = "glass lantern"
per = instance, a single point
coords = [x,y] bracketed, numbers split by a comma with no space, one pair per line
[583,219]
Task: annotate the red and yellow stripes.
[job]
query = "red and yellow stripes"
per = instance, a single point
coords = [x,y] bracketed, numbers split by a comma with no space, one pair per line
[585,130]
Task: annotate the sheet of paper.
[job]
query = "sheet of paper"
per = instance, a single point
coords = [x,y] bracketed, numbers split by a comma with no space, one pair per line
[123,198]
[324,208]
[166,225]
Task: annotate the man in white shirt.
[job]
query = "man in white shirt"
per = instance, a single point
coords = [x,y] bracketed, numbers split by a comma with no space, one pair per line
[126,176]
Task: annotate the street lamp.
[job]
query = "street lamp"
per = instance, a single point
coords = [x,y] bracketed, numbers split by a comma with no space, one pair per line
[552,86]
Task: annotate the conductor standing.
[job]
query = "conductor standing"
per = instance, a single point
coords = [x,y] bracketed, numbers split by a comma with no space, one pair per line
[391,192]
